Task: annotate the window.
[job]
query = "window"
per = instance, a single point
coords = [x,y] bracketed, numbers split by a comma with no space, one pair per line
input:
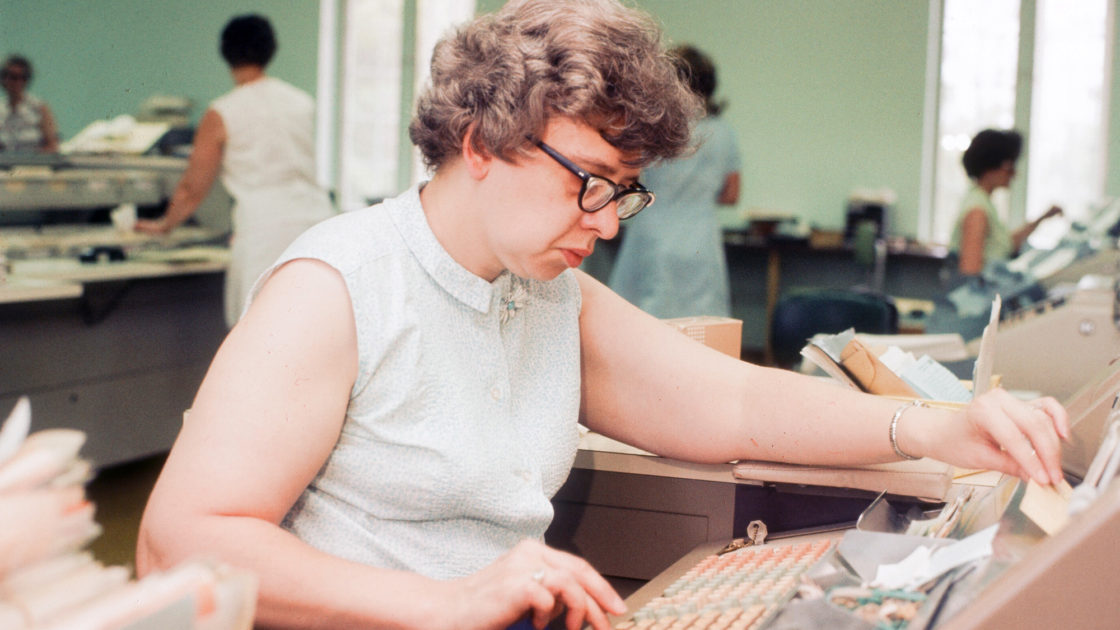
[371,101]
[1063,120]
[382,61]
[979,60]
[1069,103]
[433,18]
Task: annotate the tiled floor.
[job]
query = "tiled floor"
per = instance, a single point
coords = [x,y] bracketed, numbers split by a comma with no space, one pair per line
[119,495]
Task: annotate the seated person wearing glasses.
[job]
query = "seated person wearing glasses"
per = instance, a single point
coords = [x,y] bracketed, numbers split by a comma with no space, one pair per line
[26,123]
[379,436]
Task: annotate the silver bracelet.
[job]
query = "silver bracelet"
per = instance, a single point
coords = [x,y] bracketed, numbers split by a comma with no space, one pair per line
[894,427]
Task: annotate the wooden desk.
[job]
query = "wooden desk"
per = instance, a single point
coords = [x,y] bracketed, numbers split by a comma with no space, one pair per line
[114,349]
[1062,581]
[631,515]
[19,289]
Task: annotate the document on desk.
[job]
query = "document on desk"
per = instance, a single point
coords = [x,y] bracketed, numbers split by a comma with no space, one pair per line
[926,563]
[872,375]
[1055,261]
[982,369]
[894,372]
[927,377]
[825,350]
[940,346]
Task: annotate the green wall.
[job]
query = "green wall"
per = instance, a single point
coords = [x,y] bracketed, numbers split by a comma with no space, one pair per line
[98,59]
[1112,179]
[826,95]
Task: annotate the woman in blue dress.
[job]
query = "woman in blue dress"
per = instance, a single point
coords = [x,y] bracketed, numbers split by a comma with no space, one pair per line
[671,262]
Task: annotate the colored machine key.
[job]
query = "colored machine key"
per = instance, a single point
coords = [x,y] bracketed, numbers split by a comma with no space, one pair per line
[737,590]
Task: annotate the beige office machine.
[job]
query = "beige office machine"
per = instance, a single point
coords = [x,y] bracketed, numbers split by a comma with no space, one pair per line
[1054,347]
[1061,579]
[1104,262]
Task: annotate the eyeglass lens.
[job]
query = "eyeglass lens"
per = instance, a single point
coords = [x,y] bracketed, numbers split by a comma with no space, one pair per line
[599,191]
[633,203]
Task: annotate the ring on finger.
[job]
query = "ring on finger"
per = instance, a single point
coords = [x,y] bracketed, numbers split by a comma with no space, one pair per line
[538,575]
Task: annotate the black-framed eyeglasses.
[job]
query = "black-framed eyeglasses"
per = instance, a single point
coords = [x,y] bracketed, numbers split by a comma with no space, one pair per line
[13,76]
[598,191]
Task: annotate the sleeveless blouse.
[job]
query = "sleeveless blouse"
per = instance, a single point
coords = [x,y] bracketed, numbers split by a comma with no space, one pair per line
[462,422]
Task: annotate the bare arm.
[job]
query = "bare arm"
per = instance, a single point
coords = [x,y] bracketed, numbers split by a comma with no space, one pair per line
[974,231]
[1019,237]
[266,417]
[202,169]
[49,128]
[264,420]
[729,194]
[646,384]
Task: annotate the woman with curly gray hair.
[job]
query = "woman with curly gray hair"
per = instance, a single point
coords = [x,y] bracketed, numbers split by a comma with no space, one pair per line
[380,435]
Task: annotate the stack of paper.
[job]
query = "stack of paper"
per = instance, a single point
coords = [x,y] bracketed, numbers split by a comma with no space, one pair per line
[48,580]
[895,372]
[940,347]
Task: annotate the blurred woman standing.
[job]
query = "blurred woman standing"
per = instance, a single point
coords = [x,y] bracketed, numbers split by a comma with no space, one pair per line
[260,139]
[671,262]
[26,123]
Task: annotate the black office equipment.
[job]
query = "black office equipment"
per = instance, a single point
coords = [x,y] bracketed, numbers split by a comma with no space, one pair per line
[798,316]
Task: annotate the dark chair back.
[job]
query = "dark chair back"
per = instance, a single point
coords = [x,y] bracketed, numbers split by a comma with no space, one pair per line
[798,316]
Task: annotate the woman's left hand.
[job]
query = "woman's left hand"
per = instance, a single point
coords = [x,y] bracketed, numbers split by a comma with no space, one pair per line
[1000,432]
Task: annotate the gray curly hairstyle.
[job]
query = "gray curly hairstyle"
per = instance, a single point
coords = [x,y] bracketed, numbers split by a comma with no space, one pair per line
[592,60]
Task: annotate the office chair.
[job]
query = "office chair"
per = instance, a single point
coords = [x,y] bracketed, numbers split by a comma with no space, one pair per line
[798,316]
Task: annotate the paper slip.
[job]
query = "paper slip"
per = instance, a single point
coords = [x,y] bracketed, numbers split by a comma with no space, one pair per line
[982,369]
[934,381]
[924,564]
[1047,506]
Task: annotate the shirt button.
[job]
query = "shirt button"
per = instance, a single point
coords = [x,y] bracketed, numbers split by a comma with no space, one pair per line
[496,393]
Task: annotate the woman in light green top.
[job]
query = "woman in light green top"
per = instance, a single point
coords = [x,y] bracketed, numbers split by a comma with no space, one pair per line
[980,235]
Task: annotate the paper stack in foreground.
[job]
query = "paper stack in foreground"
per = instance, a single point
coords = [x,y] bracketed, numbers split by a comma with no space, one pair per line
[49,580]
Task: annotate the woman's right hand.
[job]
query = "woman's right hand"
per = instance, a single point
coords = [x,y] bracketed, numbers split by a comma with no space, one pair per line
[535,580]
[1052,211]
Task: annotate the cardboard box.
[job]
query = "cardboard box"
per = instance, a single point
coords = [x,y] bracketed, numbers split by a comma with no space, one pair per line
[722,333]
